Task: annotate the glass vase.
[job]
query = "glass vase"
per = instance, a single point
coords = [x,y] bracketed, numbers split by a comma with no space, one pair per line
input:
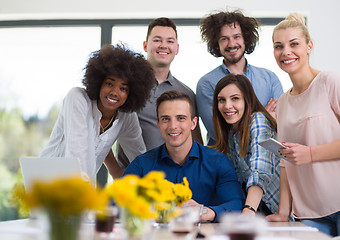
[65,227]
[135,226]
[164,215]
[163,219]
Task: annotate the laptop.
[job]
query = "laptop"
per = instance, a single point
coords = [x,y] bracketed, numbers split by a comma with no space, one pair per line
[47,169]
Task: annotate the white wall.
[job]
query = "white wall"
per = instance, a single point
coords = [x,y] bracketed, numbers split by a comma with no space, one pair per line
[322,15]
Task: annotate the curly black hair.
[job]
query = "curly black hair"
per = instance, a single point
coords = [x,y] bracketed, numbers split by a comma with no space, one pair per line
[211,25]
[123,63]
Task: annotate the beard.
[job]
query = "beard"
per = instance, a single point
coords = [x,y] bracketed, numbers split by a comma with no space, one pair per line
[233,59]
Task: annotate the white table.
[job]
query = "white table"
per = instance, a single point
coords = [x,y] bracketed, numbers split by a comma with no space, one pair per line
[27,229]
[278,230]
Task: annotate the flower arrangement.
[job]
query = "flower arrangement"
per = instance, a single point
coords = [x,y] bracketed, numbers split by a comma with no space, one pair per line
[64,200]
[166,207]
[138,195]
[66,196]
[150,196]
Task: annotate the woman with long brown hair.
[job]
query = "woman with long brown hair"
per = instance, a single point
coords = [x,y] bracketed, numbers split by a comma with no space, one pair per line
[240,122]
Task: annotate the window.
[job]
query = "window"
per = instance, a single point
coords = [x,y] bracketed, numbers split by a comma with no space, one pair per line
[39,65]
[40,61]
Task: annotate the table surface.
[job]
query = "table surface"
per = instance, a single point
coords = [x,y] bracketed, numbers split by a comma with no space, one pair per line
[28,229]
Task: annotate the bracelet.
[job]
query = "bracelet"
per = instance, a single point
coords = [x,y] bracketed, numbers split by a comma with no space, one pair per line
[249,207]
[310,150]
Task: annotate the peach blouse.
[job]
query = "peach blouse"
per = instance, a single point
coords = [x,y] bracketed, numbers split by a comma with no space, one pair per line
[312,118]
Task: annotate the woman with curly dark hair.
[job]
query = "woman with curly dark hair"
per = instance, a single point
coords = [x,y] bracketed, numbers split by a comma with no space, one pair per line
[117,83]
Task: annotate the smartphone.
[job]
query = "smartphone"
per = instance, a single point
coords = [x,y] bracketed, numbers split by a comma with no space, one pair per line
[273,145]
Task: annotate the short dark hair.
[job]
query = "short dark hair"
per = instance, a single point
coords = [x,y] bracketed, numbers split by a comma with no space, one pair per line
[211,27]
[163,22]
[175,95]
[123,63]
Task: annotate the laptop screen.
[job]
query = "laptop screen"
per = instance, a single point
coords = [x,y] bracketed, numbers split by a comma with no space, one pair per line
[47,169]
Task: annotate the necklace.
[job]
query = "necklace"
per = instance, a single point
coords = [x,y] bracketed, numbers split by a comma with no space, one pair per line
[107,126]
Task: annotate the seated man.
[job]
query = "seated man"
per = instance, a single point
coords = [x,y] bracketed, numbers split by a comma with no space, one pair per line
[211,176]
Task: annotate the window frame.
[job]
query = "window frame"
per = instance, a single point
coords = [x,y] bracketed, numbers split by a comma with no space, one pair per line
[106,25]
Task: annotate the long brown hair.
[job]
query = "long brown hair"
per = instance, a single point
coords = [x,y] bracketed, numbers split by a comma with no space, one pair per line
[252,105]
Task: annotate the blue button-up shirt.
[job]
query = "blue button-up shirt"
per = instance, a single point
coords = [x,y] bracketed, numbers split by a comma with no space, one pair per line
[212,178]
[265,83]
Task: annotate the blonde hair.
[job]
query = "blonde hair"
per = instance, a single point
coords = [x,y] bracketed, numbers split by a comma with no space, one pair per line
[294,20]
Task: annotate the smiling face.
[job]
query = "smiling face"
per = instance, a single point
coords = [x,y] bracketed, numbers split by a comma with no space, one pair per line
[231,43]
[161,46]
[175,123]
[291,50]
[113,94]
[231,104]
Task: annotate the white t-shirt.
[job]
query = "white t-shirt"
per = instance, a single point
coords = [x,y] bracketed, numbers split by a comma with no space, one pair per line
[76,133]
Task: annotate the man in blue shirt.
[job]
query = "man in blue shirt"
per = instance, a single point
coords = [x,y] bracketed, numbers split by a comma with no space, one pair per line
[230,35]
[211,176]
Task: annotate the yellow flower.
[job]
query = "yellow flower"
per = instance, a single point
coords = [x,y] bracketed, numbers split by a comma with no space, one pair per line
[147,183]
[64,196]
[131,180]
[182,192]
[146,197]
[18,197]
[161,206]
[155,175]
[123,191]
[167,190]
[141,208]
[153,194]
[102,200]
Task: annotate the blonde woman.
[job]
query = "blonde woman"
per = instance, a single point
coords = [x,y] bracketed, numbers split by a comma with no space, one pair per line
[308,118]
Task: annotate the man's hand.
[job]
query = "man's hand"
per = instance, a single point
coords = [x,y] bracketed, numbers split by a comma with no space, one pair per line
[207,215]
[271,106]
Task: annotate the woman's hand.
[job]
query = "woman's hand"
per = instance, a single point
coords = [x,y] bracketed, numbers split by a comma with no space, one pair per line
[297,154]
[113,166]
[277,218]
[248,211]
